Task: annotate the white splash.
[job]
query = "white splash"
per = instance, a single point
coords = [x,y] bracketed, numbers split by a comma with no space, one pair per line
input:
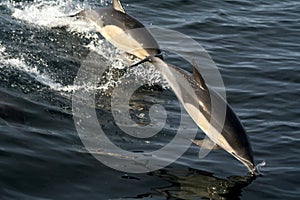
[20,64]
[259,166]
[2,49]
[53,14]
[2,54]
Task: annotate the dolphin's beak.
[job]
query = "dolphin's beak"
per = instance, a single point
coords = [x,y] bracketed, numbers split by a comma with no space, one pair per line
[250,165]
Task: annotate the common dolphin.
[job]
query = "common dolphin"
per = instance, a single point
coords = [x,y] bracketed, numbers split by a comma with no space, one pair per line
[113,21]
[231,136]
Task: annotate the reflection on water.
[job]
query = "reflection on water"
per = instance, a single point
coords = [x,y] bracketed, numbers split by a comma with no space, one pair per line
[195,184]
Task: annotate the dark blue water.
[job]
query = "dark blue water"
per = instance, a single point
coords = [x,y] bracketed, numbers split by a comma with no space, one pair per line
[256,46]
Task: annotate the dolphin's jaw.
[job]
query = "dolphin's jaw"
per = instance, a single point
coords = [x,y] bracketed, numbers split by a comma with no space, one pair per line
[250,166]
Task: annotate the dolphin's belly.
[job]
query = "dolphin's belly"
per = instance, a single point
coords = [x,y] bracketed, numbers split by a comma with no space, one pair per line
[123,41]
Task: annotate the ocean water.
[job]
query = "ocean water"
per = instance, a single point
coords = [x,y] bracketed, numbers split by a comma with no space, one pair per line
[255,45]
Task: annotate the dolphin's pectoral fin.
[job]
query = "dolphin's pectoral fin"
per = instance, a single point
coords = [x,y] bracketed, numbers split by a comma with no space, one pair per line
[147,59]
[206,144]
[118,6]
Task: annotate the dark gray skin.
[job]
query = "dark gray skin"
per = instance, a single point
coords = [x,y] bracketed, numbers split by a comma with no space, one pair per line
[116,16]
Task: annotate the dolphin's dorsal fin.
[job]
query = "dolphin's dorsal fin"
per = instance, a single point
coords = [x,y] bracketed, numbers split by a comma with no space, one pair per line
[118,6]
[197,76]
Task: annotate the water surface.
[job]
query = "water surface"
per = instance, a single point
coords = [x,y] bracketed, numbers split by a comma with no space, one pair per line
[254,44]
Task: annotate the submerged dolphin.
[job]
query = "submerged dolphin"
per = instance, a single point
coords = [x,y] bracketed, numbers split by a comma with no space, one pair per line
[115,25]
[113,21]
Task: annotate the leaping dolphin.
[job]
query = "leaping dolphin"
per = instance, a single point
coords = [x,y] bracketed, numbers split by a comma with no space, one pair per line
[115,25]
[231,136]
[113,21]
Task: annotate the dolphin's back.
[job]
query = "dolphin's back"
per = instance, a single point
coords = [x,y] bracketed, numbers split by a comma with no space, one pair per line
[236,135]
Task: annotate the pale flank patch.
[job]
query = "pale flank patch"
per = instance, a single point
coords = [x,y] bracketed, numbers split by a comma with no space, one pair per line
[123,41]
